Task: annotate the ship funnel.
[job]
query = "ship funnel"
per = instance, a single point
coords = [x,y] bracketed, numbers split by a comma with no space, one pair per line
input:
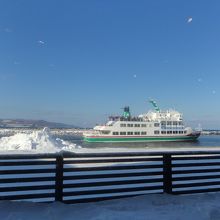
[126,113]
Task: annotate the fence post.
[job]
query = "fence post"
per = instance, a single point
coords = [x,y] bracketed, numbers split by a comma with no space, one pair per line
[167,173]
[59,178]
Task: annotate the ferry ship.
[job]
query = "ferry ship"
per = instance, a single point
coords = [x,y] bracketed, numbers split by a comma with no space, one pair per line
[155,125]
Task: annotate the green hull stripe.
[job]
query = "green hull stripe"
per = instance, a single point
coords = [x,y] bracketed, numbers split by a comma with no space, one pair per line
[145,139]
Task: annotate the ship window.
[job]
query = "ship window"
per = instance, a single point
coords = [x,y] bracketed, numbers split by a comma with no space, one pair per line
[143,133]
[175,132]
[174,122]
[169,123]
[130,125]
[105,132]
[129,133]
[115,133]
[180,132]
[163,132]
[143,125]
[184,132]
[169,132]
[180,123]
[136,133]
[156,124]
[156,132]
[122,133]
[123,125]
[136,125]
[163,123]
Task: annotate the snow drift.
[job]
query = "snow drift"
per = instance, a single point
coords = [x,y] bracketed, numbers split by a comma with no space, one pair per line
[37,141]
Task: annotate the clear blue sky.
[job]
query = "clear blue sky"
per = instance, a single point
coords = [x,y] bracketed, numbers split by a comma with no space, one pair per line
[78,61]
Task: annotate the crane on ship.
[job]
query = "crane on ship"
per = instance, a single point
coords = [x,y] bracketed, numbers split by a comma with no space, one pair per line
[153,102]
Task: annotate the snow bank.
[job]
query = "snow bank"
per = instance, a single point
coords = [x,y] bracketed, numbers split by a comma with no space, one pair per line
[152,207]
[36,141]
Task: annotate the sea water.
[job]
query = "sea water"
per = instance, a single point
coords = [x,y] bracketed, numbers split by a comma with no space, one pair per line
[203,141]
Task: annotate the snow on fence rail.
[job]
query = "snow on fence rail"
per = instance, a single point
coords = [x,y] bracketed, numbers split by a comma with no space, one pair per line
[83,177]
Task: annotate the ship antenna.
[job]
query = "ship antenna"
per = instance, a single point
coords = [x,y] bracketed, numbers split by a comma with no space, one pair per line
[154,105]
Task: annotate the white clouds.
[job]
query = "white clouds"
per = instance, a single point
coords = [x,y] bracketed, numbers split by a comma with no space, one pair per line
[135,76]
[41,42]
[199,80]
[189,20]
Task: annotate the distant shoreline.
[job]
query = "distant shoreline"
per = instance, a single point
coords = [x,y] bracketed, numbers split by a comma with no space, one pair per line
[210,132]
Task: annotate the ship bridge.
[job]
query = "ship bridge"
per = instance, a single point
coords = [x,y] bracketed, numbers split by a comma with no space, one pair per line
[170,115]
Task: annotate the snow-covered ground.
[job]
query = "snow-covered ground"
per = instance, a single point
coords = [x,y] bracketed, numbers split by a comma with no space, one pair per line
[151,207]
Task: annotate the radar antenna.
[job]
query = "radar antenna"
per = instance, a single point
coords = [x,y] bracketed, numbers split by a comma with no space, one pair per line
[154,105]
